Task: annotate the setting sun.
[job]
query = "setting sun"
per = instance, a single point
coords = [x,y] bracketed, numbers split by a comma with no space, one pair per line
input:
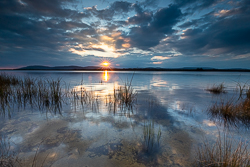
[106,64]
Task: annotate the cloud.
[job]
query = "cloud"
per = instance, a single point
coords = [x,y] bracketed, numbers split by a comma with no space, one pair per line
[160,58]
[157,62]
[142,18]
[146,36]
[116,8]
[149,3]
[195,4]
[36,8]
[221,37]
[140,33]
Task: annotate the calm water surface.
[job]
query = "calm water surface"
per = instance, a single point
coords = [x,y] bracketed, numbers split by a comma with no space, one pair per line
[173,105]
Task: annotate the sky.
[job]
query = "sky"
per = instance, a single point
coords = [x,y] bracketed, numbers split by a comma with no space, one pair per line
[128,34]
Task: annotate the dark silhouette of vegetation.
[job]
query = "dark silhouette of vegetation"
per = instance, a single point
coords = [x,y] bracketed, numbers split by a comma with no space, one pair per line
[150,137]
[8,157]
[225,152]
[235,111]
[49,95]
[217,89]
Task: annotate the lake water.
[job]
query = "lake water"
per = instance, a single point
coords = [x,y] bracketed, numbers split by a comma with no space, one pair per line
[166,123]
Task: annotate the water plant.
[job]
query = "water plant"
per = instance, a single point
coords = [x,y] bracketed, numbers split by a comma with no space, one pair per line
[248,92]
[8,157]
[125,94]
[232,111]
[151,139]
[49,95]
[45,94]
[122,100]
[217,89]
[225,152]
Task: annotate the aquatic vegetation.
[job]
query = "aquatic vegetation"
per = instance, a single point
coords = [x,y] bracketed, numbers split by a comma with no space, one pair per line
[8,157]
[122,100]
[125,94]
[224,152]
[17,92]
[217,89]
[248,93]
[6,84]
[50,94]
[85,98]
[150,138]
[232,112]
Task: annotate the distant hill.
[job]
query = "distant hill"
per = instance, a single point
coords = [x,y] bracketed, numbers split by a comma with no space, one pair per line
[98,68]
[193,68]
[37,67]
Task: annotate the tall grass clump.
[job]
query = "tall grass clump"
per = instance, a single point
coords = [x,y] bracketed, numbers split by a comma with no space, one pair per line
[8,157]
[151,139]
[125,94]
[234,111]
[85,98]
[50,94]
[122,99]
[6,92]
[248,93]
[44,94]
[225,152]
[217,89]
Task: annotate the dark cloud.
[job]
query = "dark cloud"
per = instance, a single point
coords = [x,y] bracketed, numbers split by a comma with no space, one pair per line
[50,7]
[195,4]
[40,25]
[182,3]
[243,7]
[118,43]
[162,23]
[23,32]
[141,18]
[118,7]
[166,18]
[223,36]
[37,8]
[149,3]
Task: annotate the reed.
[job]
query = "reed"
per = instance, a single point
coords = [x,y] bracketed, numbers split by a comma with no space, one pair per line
[225,152]
[236,110]
[126,94]
[8,157]
[86,98]
[231,112]
[217,89]
[248,92]
[150,137]
[45,94]
[50,94]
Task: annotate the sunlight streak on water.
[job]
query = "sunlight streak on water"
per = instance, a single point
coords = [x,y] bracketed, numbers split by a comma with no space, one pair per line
[105,76]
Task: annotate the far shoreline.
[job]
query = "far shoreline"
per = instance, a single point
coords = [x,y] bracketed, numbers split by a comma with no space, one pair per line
[137,69]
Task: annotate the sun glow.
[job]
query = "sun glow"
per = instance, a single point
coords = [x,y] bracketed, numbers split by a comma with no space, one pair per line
[105,64]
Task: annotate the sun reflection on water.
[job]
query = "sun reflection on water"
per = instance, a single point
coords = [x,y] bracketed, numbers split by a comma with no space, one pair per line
[105,76]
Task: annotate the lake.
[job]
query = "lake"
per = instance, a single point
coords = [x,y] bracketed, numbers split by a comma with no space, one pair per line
[164,125]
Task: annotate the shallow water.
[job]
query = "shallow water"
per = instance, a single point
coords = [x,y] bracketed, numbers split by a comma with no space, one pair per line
[173,105]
